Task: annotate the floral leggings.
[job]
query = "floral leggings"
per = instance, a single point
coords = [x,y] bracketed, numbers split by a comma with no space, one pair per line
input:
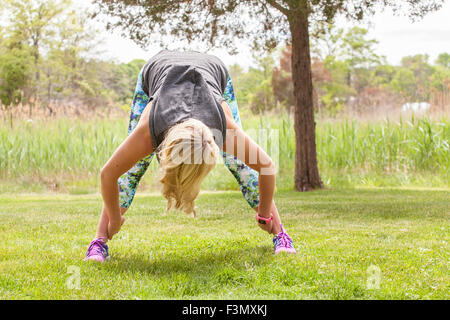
[245,176]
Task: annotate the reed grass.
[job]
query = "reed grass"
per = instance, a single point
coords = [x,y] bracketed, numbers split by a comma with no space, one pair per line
[70,152]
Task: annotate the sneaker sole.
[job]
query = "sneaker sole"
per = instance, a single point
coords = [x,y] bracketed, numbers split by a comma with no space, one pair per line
[106,259]
[290,251]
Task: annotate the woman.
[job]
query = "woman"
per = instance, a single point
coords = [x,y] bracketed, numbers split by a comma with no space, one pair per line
[184,111]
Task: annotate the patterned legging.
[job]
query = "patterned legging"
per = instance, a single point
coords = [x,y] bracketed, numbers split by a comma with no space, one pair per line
[245,176]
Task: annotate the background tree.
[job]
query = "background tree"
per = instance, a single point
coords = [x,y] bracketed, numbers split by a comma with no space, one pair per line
[443,60]
[422,70]
[14,75]
[60,42]
[359,54]
[440,81]
[253,87]
[282,85]
[283,88]
[261,97]
[32,22]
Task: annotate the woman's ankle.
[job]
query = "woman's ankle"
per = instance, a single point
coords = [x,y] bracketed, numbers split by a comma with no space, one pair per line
[103,238]
[276,229]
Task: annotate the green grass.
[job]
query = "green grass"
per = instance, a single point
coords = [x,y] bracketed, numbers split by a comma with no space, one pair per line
[339,234]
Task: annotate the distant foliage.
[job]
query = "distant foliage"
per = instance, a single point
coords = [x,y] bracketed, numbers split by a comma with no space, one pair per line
[348,75]
[48,59]
[283,88]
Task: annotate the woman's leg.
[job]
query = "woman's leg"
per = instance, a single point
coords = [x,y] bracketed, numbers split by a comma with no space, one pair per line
[129,181]
[245,176]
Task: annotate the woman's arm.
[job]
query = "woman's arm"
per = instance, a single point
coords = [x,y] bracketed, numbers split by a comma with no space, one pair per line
[244,148]
[135,147]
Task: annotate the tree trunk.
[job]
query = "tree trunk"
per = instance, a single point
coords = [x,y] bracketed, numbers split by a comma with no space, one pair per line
[306,169]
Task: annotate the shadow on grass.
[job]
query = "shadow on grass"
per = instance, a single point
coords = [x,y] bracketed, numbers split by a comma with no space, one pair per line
[197,274]
[206,262]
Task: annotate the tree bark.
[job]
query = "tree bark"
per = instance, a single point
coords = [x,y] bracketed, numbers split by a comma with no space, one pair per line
[306,169]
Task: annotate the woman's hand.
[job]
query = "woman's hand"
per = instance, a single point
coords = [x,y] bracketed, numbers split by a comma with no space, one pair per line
[114,227]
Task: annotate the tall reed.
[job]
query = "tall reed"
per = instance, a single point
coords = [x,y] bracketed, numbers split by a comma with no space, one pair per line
[77,148]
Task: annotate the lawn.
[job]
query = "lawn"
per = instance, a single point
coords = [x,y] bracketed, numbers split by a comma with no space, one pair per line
[364,243]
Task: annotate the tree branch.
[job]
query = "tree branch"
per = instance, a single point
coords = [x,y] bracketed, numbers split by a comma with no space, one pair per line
[279,7]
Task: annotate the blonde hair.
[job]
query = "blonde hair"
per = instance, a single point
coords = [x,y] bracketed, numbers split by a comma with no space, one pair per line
[186,155]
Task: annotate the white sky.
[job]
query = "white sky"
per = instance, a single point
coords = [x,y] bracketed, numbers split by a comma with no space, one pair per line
[398,36]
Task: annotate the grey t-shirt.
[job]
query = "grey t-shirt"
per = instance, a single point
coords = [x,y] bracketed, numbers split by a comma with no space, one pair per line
[185,85]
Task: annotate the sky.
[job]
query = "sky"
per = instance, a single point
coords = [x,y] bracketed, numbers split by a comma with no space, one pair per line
[398,37]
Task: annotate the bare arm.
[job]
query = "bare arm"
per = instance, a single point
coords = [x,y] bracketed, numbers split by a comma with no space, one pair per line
[244,148]
[135,147]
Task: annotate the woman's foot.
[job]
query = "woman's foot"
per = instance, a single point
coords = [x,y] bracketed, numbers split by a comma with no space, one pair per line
[283,243]
[97,251]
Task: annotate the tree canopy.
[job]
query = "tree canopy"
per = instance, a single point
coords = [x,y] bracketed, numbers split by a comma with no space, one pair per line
[225,23]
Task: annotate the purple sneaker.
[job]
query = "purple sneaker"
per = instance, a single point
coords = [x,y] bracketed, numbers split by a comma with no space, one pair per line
[283,243]
[97,251]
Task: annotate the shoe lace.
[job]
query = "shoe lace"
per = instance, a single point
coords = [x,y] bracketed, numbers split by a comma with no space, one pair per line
[95,247]
[284,240]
